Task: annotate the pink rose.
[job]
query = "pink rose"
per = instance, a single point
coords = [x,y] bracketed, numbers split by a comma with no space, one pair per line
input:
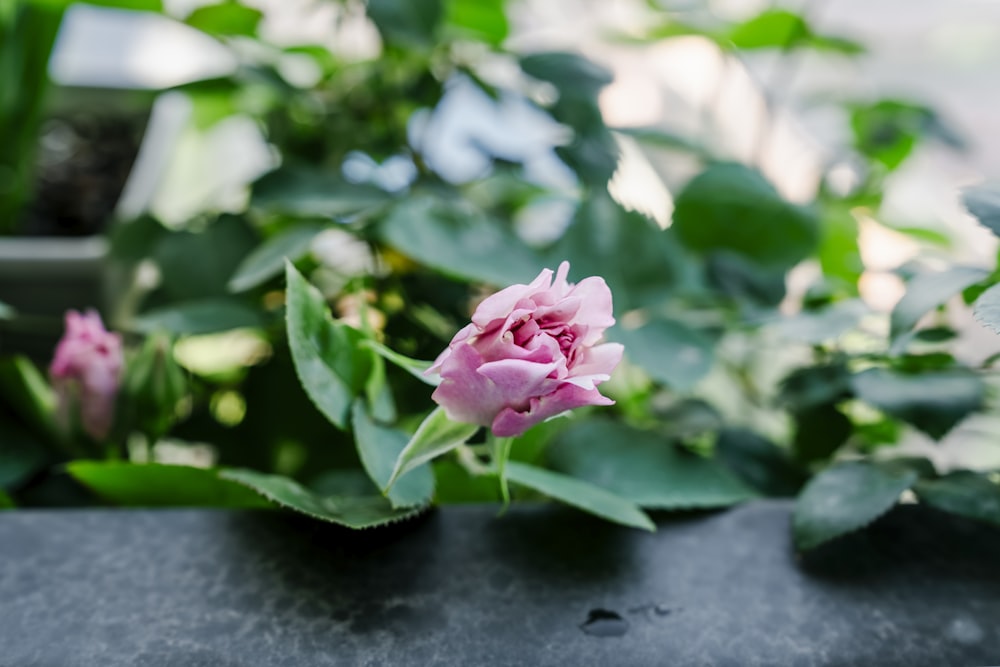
[86,372]
[530,353]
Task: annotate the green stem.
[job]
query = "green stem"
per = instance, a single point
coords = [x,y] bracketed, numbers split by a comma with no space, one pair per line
[501,452]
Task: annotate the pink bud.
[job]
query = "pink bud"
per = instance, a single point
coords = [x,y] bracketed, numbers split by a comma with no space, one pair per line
[86,372]
[530,353]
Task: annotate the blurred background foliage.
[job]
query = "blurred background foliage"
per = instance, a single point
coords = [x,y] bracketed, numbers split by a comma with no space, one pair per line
[426,159]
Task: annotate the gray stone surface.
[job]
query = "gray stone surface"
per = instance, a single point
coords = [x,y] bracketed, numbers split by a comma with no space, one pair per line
[459,587]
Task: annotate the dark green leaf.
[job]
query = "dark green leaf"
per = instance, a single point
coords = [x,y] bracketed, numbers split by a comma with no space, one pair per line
[567,71]
[226,19]
[21,454]
[640,262]
[888,130]
[483,19]
[268,259]
[159,485]
[329,360]
[730,206]
[310,192]
[435,436]
[350,511]
[6,502]
[407,22]
[197,265]
[669,351]
[987,308]
[815,385]
[199,317]
[819,432]
[644,467]
[579,494]
[934,402]
[926,292]
[26,391]
[379,447]
[135,240]
[759,462]
[459,240]
[845,498]
[745,280]
[983,202]
[965,493]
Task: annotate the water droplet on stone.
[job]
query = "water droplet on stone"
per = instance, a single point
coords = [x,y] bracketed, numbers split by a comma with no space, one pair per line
[604,623]
[662,610]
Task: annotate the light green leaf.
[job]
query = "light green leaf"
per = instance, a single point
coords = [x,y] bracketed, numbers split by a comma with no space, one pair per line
[933,401]
[644,467]
[351,511]
[772,29]
[379,447]
[983,202]
[159,485]
[329,360]
[435,436]
[845,498]
[926,292]
[987,308]
[226,19]
[204,316]
[268,259]
[579,494]
[965,493]
[310,192]
[731,206]
[414,367]
[458,239]
[669,351]
[484,19]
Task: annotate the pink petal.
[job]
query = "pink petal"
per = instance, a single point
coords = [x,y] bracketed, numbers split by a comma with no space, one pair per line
[510,422]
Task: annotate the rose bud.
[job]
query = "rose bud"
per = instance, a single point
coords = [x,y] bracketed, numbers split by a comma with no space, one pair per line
[530,353]
[86,372]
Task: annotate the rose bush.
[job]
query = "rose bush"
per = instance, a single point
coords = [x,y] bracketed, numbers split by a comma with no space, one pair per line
[86,373]
[529,353]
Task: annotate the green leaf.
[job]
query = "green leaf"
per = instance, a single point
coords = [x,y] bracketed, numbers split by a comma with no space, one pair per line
[310,192]
[483,19]
[351,511]
[379,447]
[569,71]
[820,431]
[965,493]
[888,130]
[454,484]
[197,265]
[199,317]
[926,292]
[983,202]
[159,485]
[435,436]
[817,327]
[644,467]
[25,390]
[329,360]
[845,498]
[808,387]
[660,138]
[640,262]
[140,5]
[730,206]
[759,462]
[580,494]
[226,19]
[459,240]
[407,22]
[933,401]
[268,259]
[21,455]
[987,308]
[772,29]
[669,351]
[6,503]
[414,367]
